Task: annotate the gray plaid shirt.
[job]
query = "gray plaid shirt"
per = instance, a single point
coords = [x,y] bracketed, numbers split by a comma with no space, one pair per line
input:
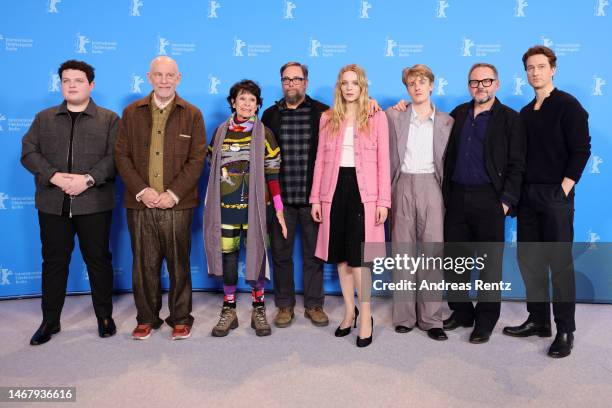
[294,138]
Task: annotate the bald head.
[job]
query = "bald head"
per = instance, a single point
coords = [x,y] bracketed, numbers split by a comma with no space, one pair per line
[163,59]
[164,76]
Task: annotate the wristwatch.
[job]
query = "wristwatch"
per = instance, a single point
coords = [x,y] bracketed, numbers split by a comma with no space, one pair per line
[90,180]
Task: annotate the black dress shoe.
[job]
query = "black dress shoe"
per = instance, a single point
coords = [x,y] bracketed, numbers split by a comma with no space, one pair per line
[437,334]
[528,328]
[562,346]
[402,329]
[44,333]
[106,327]
[479,335]
[368,340]
[341,332]
[452,323]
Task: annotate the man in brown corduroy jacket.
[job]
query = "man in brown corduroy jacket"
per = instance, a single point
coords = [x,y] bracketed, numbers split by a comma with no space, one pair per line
[160,150]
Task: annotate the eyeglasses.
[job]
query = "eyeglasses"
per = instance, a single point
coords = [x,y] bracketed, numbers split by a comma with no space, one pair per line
[296,80]
[487,82]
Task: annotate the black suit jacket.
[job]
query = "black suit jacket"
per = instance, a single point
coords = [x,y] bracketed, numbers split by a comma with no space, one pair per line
[504,155]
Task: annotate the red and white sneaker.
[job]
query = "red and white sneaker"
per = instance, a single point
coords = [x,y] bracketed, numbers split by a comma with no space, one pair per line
[142,332]
[181,331]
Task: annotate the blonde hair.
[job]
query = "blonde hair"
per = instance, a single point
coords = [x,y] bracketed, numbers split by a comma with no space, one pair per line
[337,113]
[418,70]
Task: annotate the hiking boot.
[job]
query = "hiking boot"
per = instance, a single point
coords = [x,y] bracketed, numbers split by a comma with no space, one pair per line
[227,321]
[317,316]
[284,317]
[259,322]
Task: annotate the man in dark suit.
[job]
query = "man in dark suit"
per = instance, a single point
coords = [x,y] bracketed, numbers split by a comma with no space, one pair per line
[483,172]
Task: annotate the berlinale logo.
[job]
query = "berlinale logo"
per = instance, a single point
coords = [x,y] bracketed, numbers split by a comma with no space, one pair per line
[135,8]
[53,6]
[519,83]
[81,42]
[364,7]
[314,47]
[600,6]
[466,48]
[289,7]
[213,83]
[441,84]
[519,10]
[390,44]
[441,9]
[597,84]
[595,162]
[212,9]
[136,82]
[54,82]
[4,276]
[238,46]
[162,43]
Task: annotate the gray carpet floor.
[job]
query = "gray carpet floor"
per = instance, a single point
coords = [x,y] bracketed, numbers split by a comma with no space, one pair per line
[302,366]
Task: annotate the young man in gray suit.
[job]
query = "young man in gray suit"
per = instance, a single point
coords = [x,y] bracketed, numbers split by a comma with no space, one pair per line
[417,141]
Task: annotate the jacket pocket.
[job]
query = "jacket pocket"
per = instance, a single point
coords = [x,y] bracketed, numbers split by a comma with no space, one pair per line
[370,150]
[182,145]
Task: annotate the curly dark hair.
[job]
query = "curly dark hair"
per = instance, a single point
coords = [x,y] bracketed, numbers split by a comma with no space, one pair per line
[248,86]
[79,66]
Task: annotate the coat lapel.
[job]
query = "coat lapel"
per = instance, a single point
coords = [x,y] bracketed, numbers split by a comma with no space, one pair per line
[403,130]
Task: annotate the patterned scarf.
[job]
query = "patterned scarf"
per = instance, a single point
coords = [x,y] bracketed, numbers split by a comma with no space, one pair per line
[246,126]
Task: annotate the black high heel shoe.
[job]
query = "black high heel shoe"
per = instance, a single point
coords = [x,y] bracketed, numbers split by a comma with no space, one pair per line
[368,340]
[345,332]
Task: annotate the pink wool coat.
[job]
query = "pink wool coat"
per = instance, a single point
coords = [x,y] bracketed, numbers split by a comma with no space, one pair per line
[373,178]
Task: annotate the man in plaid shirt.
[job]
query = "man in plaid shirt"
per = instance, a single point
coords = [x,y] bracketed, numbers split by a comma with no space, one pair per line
[295,122]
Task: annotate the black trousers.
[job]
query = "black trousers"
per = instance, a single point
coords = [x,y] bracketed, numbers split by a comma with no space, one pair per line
[545,234]
[282,255]
[57,238]
[475,218]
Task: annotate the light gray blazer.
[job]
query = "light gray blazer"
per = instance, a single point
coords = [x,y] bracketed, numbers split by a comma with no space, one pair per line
[399,129]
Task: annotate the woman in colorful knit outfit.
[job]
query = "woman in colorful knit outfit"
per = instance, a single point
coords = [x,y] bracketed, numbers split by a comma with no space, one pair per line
[244,157]
[351,193]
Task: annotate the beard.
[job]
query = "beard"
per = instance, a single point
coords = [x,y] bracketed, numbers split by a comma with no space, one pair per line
[293,98]
[483,99]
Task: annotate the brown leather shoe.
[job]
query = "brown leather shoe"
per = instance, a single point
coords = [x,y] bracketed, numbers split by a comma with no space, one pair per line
[181,331]
[317,316]
[142,332]
[284,317]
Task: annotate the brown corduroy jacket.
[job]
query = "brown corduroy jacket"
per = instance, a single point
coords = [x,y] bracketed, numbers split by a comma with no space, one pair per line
[184,151]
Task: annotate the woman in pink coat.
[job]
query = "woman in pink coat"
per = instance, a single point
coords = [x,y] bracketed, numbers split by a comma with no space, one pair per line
[351,193]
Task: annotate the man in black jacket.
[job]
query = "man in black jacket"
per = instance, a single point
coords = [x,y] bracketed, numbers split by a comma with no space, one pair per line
[558,148]
[69,149]
[295,122]
[484,166]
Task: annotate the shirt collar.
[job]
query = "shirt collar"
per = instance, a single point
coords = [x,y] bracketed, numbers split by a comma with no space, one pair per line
[414,116]
[160,104]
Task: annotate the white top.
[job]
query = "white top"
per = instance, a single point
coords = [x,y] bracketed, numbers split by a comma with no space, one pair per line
[418,158]
[348,152]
